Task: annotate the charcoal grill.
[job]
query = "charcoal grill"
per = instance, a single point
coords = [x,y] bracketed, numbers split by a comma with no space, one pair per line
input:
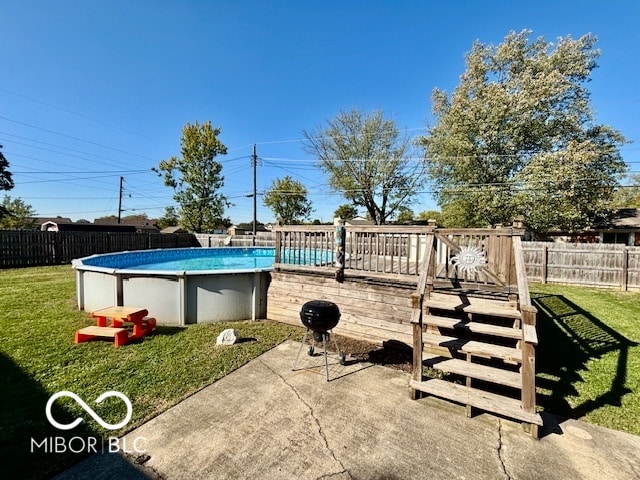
[320,317]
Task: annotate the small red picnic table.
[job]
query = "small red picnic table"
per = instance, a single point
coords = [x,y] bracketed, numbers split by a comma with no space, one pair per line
[142,325]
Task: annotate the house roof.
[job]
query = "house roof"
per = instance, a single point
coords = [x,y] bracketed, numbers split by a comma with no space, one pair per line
[358,221]
[56,220]
[623,218]
[176,229]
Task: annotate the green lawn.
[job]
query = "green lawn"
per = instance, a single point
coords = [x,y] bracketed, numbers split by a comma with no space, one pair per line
[38,318]
[588,363]
[588,357]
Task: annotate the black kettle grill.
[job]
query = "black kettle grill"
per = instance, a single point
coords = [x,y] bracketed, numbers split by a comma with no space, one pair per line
[320,317]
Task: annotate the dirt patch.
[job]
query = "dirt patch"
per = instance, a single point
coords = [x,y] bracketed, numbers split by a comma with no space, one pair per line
[391,353]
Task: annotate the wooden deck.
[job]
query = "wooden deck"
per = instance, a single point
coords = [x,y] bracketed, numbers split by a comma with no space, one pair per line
[473,321]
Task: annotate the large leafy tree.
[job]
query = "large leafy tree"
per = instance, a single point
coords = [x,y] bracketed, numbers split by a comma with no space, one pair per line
[628,196]
[19,215]
[287,199]
[345,211]
[196,177]
[518,137]
[367,161]
[6,181]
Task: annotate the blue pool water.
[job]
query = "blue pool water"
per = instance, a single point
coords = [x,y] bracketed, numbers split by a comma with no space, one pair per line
[186,259]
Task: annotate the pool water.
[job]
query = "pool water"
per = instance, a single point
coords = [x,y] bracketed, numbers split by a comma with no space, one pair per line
[186,259]
[211,263]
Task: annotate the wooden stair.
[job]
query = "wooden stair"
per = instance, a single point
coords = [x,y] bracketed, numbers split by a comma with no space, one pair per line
[459,302]
[474,370]
[473,327]
[481,399]
[473,347]
[484,341]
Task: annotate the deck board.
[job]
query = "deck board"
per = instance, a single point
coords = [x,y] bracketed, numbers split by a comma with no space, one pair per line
[489,402]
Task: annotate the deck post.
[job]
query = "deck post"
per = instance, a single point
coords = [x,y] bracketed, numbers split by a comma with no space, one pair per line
[416,374]
[528,364]
[278,246]
[340,241]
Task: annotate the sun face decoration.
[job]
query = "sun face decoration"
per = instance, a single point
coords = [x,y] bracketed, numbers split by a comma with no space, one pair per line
[469,260]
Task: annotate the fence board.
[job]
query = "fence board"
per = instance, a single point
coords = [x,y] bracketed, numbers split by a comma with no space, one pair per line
[32,248]
[602,265]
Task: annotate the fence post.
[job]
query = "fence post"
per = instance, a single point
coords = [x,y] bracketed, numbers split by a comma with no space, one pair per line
[340,241]
[544,264]
[625,269]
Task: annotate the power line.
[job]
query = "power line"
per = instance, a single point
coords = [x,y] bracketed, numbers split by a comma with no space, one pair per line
[90,142]
[62,109]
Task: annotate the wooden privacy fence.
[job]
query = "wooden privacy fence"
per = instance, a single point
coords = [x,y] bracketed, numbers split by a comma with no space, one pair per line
[596,264]
[28,248]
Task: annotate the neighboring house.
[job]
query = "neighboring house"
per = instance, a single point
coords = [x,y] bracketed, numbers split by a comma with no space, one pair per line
[140,226]
[176,229]
[87,227]
[244,229]
[50,224]
[623,226]
[355,221]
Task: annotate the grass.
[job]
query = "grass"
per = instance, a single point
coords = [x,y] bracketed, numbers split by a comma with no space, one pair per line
[588,357]
[588,363]
[38,358]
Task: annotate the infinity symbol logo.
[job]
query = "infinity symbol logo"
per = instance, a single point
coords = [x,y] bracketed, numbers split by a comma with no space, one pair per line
[89,410]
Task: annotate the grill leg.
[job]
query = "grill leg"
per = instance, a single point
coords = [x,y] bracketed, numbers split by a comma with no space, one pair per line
[335,344]
[304,342]
[324,346]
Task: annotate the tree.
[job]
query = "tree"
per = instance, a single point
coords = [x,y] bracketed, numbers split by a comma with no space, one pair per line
[628,196]
[169,219]
[427,215]
[367,161]
[405,215]
[19,215]
[196,177]
[6,181]
[345,211]
[287,199]
[518,138]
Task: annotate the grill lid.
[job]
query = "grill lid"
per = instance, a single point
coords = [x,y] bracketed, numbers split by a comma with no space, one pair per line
[320,315]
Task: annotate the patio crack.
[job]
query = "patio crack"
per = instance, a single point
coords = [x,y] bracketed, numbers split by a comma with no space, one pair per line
[316,421]
[499,451]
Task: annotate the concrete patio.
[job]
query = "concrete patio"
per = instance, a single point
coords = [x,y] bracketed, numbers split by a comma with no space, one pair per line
[267,421]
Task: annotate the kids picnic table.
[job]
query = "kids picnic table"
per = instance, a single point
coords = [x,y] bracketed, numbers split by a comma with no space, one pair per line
[110,322]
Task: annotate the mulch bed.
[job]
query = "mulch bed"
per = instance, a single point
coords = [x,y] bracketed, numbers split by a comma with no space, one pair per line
[391,353]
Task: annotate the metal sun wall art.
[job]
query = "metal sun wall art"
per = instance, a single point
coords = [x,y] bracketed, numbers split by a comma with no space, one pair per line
[469,260]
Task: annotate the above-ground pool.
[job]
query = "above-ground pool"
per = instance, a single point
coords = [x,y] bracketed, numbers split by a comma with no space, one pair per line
[179,286]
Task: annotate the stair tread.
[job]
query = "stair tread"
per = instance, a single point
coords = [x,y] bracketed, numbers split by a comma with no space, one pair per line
[487,401]
[474,347]
[474,370]
[463,303]
[475,327]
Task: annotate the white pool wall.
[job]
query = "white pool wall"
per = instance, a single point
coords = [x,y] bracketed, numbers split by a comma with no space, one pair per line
[175,298]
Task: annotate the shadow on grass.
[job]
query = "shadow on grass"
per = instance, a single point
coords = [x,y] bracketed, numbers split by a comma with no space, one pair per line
[569,337]
[30,447]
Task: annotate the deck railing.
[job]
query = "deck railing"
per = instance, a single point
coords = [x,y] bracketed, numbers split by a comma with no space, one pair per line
[397,252]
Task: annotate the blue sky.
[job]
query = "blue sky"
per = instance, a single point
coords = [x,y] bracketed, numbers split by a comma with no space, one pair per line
[98,90]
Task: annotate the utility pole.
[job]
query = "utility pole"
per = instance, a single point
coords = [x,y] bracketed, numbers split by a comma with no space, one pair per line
[120,200]
[254,164]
